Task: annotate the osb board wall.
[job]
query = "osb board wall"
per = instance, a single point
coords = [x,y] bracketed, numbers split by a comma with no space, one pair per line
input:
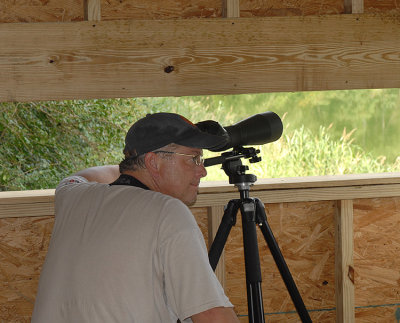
[305,233]
[377,259]
[72,10]
[23,246]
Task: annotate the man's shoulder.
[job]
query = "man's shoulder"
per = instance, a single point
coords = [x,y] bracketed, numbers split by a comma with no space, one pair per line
[74,179]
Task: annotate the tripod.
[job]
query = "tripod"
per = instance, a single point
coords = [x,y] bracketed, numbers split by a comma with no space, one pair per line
[252,211]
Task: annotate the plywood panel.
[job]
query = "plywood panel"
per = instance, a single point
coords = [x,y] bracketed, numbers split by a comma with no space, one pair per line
[386,314]
[264,8]
[23,246]
[160,9]
[72,10]
[387,6]
[195,57]
[40,11]
[304,231]
[376,251]
[201,216]
[318,317]
[305,234]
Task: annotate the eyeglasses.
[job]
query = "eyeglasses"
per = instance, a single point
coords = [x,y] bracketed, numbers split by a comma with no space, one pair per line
[197,159]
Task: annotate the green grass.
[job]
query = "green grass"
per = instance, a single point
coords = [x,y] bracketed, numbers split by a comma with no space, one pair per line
[301,153]
[42,142]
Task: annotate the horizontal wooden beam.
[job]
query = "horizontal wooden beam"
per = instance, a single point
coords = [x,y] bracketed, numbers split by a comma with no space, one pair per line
[319,188]
[136,58]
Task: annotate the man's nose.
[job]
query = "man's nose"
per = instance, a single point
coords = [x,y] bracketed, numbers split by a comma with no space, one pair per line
[202,171]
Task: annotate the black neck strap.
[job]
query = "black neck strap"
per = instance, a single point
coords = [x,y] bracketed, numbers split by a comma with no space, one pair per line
[125,179]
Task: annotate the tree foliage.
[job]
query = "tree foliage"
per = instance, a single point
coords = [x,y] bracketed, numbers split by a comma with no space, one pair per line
[42,142]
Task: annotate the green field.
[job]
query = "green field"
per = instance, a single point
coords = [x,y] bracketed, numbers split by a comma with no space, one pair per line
[325,133]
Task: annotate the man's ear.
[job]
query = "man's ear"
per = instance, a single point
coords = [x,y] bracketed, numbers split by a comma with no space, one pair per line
[151,160]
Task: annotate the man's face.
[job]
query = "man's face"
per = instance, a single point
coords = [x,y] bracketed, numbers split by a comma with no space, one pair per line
[180,176]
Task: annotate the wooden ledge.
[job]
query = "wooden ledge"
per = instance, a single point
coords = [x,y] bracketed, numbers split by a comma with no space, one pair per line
[276,190]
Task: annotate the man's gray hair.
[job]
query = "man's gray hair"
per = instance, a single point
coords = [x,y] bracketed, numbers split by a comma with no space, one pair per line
[133,162]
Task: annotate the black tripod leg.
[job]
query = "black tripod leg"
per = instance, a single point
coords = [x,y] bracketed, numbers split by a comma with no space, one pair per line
[280,262]
[228,220]
[252,262]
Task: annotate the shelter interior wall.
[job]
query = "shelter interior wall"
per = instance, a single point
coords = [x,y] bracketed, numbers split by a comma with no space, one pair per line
[12,11]
[305,233]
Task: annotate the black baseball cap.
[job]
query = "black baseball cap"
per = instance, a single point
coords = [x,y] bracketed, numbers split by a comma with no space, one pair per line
[160,129]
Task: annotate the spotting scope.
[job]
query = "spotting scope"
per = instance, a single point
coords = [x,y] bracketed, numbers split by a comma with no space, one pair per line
[258,129]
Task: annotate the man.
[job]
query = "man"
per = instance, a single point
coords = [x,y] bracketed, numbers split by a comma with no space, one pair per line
[131,251]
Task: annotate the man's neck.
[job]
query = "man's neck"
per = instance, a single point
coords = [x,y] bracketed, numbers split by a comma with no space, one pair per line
[142,176]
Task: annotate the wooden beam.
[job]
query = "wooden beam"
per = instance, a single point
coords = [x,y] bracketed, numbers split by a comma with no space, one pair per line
[27,203]
[353,6]
[230,9]
[282,190]
[344,267]
[135,58]
[305,195]
[92,9]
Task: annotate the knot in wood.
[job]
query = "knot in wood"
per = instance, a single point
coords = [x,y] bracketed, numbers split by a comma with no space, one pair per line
[169,69]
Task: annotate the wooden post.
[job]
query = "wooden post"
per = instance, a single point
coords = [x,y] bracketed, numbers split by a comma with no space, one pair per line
[92,10]
[215,214]
[353,6]
[344,270]
[230,9]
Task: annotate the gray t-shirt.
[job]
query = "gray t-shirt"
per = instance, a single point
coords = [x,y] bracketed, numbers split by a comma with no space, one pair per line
[124,254]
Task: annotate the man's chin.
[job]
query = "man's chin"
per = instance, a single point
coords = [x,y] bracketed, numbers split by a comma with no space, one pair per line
[191,202]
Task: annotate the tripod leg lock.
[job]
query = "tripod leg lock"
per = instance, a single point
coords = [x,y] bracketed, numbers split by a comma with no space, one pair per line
[260,212]
[230,211]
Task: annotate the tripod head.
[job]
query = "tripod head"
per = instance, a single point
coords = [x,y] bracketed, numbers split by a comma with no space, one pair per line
[233,167]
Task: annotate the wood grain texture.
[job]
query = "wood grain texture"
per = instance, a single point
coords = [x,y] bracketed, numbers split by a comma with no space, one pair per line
[23,246]
[195,57]
[305,235]
[230,8]
[344,265]
[72,10]
[353,6]
[304,231]
[376,251]
[30,11]
[160,9]
[92,10]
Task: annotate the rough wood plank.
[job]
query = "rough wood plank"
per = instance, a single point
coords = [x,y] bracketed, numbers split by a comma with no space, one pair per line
[71,10]
[319,188]
[358,6]
[376,253]
[353,6]
[344,266]
[306,182]
[305,234]
[92,10]
[23,247]
[26,210]
[313,194]
[12,11]
[32,196]
[195,57]
[230,9]
[27,203]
